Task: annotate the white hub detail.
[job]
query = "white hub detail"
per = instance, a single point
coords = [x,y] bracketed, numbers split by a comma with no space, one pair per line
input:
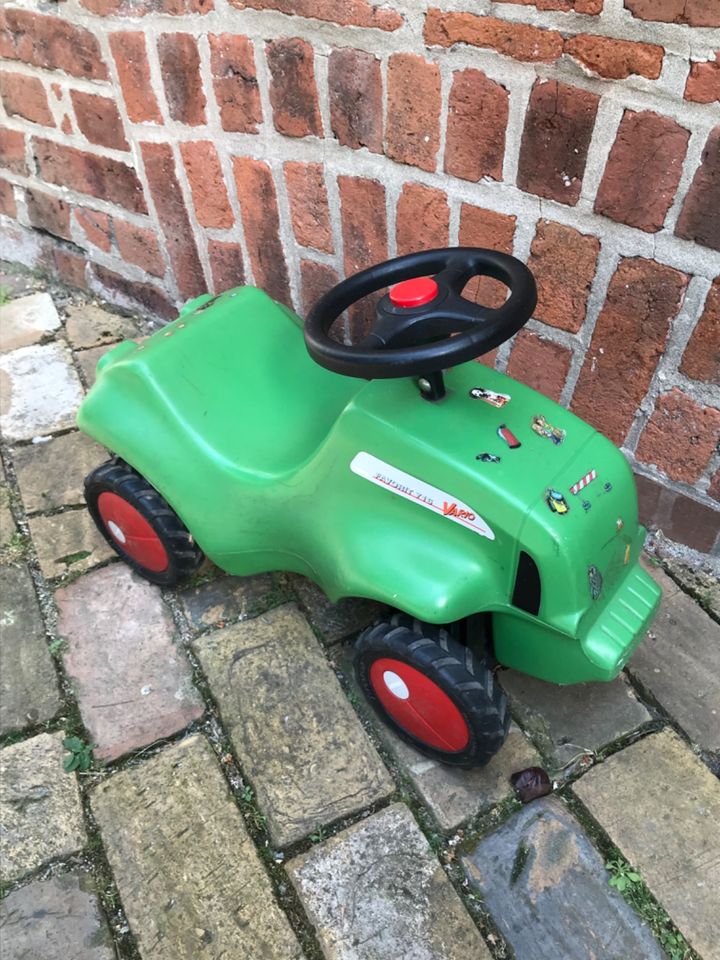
[116,531]
[396,685]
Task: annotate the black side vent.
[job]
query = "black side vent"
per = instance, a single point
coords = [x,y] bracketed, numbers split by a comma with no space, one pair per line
[526,594]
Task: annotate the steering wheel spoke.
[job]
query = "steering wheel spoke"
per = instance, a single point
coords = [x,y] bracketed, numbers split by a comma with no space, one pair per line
[463,314]
[456,274]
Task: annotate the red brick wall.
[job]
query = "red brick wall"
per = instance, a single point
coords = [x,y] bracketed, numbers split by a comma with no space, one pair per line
[153,149]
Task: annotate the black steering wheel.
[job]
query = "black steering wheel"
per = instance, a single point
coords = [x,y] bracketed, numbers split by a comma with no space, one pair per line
[423,324]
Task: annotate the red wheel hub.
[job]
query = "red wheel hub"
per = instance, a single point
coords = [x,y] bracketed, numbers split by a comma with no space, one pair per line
[132,532]
[418,705]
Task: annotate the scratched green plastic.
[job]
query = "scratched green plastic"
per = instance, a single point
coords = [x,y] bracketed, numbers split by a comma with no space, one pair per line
[251,442]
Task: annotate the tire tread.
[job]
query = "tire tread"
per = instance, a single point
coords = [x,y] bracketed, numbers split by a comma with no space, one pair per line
[432,651]
[116,476]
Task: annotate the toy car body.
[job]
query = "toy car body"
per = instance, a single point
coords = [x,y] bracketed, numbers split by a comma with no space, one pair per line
[274,463]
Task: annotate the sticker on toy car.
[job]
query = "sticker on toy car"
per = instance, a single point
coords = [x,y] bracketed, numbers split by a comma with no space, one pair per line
[404,485]
[545,429]
[595,582]
[583,482]
[490,396]
[508,436]
[557,502]
[488,458]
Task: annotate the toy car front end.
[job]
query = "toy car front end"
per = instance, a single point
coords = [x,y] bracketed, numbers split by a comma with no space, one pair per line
[556,566]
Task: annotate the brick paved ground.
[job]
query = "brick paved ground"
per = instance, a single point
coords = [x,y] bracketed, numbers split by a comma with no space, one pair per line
[241,801]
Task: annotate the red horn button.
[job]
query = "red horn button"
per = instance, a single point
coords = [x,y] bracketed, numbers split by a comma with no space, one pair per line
[413,293]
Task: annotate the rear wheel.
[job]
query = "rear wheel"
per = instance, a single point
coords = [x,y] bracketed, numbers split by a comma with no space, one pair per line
[433,692]
[140,525]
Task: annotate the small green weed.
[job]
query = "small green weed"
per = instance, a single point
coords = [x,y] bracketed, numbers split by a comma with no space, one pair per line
[437,843]
[258,820]
[622,875]
[632,887]
[318,834]
[5,294]
[674,944]
[14,549]
[58,644]
[247,798]
[521,857]
[79,756]
[74,557]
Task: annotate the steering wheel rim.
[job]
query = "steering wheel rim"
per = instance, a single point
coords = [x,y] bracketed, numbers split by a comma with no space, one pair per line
[418,341]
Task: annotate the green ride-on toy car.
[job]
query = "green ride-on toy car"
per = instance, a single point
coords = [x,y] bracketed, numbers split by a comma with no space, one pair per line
[501,528]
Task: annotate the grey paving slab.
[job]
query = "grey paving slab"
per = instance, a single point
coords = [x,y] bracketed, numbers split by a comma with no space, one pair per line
[39,391]
[376,892]
[334,621]
[696,575]
[228,599]
[7,522]
[88,359]
[132,683]
[54,919]
[581,718]
[39,806]
[26,321]
[297,737]
[51,474]
[547,890]
[188,874]
[68,543]
[452,795]
[678,663]
[661,806]
[88,325]
[28,684]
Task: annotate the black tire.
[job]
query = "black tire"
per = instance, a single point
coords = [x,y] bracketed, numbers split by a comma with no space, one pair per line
[460,675]
[183,554]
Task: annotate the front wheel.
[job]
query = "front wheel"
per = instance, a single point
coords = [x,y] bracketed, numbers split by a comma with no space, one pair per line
[140,525]
[432,691]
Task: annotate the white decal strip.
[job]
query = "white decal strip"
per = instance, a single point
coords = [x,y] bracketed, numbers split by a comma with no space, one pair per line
[401,483]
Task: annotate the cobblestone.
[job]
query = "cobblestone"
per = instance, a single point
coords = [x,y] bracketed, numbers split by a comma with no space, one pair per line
[133,686]
[55,919]
[51,474]
[39,806]
[296,735]
[376,892]
[88,359]
[679,664]
[28,688]
[575,720]
[68,543]
[39,391]
[455,795]
[227,599]
[188,874]
[548,891]
[26,321]
[88,326]
[7,522]
[661,806]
